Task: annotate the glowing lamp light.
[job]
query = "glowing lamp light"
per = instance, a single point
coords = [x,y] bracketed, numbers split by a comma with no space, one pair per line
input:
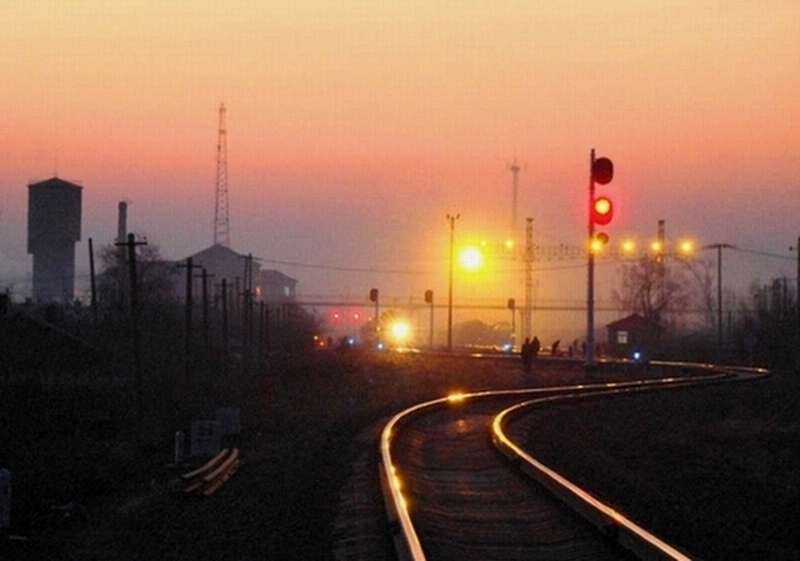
[628,247]
[400,331]
[471,258]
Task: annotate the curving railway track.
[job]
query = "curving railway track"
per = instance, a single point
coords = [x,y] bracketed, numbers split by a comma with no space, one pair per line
[458,485]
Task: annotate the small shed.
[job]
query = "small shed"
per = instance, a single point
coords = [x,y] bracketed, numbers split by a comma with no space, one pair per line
[631,334]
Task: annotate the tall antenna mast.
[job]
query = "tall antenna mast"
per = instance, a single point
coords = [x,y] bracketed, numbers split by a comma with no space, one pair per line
[221,222]
[528,257]
[515,169]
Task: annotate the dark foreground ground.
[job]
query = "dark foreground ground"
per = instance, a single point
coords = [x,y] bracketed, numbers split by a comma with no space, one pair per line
[715,470]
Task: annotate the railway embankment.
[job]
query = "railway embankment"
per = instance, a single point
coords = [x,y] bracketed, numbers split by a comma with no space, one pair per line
[303,444]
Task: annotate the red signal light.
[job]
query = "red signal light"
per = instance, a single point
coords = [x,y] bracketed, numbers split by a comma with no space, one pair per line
[602,211]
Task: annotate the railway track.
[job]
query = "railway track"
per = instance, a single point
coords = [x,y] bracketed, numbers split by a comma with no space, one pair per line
[457,484]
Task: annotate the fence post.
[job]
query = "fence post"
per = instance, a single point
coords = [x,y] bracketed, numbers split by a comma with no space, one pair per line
[5,498]
[179,444]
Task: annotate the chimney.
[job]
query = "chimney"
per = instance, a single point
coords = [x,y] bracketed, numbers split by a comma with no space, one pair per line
[122,224]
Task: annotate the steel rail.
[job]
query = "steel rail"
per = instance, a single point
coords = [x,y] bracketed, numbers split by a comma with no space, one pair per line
[405,535]
[627,533]
[407,542]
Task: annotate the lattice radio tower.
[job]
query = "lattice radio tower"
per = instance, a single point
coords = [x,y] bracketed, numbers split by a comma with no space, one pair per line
[221,219]
[515,169]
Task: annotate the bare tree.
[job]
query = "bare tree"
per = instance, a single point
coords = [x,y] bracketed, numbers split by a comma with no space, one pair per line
[155,276]
[666,293]
[700,272]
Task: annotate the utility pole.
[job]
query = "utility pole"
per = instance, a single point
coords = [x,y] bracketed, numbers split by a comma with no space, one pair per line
[796,248]
[451,218]
[205,276]
[225,336]
[719,247]
[375,297]
[797,304]
[247,311]
[134,311]
[262,314]
[187,350]
[528,257]
[266,327]
[429,300]
[93,283]
[660,261]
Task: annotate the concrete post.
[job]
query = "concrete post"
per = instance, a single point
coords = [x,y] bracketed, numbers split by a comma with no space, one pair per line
[5,498]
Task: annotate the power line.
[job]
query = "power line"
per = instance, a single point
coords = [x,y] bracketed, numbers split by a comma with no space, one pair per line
[344,269]
[380,270]
[764,253]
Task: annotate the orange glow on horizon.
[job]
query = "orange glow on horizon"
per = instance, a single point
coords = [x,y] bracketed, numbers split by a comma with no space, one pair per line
[354,127]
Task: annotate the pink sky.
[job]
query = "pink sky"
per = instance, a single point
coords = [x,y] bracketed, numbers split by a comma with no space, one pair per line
[354,126]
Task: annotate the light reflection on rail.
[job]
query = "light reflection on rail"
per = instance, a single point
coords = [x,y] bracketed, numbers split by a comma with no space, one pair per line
[631,537]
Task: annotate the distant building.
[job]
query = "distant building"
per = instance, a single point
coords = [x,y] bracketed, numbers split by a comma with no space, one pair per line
[54,227]
[221,262]
[276,287]
[631,334]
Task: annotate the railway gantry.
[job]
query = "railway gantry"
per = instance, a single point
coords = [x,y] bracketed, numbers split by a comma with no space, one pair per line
[449,494]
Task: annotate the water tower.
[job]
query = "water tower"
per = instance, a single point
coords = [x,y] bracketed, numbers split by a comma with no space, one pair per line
[54,227]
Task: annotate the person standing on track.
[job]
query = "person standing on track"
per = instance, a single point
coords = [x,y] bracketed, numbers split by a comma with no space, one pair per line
[526,352]
[535,348]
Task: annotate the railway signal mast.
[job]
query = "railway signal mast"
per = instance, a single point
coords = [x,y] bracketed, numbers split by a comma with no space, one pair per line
[600,214]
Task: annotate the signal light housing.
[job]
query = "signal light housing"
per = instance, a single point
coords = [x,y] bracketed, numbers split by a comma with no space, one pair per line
[598,242]
[602,171]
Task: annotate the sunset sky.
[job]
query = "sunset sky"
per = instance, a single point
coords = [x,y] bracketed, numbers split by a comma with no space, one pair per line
[355,127]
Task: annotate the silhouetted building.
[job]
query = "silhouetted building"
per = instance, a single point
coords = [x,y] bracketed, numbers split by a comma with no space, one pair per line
[221,262]
[632,334]
[54,227]
[276,287]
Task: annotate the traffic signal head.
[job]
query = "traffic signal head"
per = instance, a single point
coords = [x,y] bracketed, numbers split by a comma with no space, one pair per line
[602,171]
[373,295]
[598,242]
[602,211]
